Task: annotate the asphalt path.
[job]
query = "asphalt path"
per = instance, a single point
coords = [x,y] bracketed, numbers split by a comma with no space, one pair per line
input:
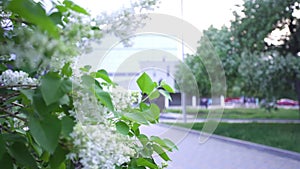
[198,151]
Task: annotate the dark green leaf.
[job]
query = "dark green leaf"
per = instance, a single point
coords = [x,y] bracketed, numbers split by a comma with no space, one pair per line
[45,131]
[20,152]
[66,85]
[145,83]
[8,137]
[122,127]
[33,13]
[67,126]
[2,146]
[146,163]
[6,161]
[51,88]
[40,106]
[58,157]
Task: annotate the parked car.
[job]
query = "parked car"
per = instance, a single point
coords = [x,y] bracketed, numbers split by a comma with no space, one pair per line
[287,102]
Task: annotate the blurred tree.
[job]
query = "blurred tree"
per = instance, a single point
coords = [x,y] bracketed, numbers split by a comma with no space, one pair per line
[268,33]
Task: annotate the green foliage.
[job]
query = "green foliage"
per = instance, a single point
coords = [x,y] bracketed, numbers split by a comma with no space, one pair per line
[33,13]
[36,120]
[146,84]
[273,58]
[45,136]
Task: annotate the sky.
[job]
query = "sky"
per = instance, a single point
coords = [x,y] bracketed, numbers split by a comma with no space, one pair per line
[200,13]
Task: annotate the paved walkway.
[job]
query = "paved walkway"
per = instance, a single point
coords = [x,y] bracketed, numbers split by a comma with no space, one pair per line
[219,153]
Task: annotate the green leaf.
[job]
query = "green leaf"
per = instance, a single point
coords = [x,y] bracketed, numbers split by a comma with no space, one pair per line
[71,5]
[45,131]
[104,98]
[67,70]
[67,126]
[145,83]
[122,127]
[20,152]
[2,146]
[154,95]
[40,106]
[136,117]
[165,143]
[58,157]
[6,161]
[135,129]
[144,106]
[166,87]
[154,110]
[166,94]
[152,114]
[170,144]
[53,87]
[28,93]
[86,68]
[8,137]
[34,13]
[143,139]
[103,75]
[56,18]
[146,163]
[161,152]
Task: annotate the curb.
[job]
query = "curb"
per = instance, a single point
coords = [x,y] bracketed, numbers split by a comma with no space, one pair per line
[268,149]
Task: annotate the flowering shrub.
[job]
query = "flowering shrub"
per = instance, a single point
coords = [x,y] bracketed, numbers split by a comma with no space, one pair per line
[50,118]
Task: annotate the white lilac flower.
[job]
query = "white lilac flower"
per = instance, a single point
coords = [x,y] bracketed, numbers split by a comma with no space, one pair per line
[97,143]
[100,146]
[124,99]
[14,78]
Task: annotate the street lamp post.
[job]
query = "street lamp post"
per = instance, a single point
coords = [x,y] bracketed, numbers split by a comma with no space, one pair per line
[183,95]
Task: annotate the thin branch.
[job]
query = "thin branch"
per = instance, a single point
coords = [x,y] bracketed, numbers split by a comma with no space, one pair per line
[13,115]
[22,86]
[17,104]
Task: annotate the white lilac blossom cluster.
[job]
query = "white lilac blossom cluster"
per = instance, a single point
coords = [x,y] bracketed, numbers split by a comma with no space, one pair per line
[124,99]
[100,146]
[16,78]
[97,143]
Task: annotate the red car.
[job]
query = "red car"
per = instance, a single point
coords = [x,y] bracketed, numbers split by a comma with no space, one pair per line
[287,102]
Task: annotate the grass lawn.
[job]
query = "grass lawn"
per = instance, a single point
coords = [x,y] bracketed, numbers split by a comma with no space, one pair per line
[243,113]
[284,136]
